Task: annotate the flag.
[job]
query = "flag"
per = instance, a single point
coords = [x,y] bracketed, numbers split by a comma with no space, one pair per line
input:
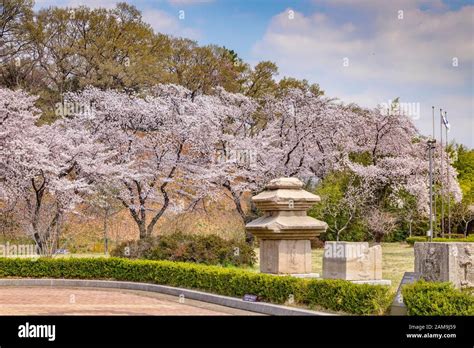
[445,121]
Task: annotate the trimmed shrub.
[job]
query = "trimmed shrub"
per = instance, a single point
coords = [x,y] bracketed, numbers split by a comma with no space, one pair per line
[412,240]
[207,249]
[434,298]
[458,235]
[456,240]
[336,295]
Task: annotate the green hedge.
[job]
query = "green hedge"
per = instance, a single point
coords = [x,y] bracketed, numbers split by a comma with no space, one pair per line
[433,298]
[336,295]
[412,240]
[455,240]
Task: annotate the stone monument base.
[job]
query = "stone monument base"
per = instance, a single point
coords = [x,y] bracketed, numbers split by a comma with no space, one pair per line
[306,275]
[387,282]
[373,282]
[285,256]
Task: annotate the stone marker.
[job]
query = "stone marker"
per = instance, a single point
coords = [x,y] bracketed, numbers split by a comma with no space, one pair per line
[398,306]
[354,261]
[284,231]
[446,262]
[250,298]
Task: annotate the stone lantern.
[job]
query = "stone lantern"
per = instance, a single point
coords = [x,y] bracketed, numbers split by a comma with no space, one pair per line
[284,231]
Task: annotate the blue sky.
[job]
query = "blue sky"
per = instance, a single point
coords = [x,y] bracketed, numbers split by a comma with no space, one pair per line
[365,51]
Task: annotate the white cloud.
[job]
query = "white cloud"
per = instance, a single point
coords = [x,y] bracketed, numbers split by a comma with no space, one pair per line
[165,23]
[388,57]
[402,51]
[382,6]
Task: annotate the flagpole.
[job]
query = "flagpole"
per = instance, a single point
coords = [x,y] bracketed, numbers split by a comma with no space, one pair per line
[447,176]
[441,170]
[435,224]
[431,147]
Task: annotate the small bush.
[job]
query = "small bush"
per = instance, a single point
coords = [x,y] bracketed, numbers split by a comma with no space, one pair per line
[336,295]
[412,240]
[455,240]
[432,298]
[458,235]
[207,249]
[317,243]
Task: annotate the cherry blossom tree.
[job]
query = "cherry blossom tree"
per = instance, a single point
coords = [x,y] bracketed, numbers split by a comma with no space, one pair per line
[241,148]
[396,156]
[17,150]
[162,143]
[293,134]
[294,121]
[38,165]
[166,149]
[380,223]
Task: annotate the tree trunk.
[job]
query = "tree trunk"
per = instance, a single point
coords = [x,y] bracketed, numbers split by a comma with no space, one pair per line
[160,213]
[378,237]
[106,240]
[249,238]
[236,200]
[39,243]
[142,229]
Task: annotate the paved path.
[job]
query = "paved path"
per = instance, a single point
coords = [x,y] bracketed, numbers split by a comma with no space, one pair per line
[80,301]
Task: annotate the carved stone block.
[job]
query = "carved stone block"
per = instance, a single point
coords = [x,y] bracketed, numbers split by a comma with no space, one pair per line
[285,256]
[352,261]
[446,262]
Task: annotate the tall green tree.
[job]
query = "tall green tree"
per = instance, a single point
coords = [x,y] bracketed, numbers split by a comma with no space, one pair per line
[344,200]
[260,80]
[463,212]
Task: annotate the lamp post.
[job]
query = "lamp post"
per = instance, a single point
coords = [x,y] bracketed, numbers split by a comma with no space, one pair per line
[431,146]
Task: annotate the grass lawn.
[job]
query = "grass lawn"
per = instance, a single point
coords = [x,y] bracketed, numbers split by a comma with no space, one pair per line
[397,258]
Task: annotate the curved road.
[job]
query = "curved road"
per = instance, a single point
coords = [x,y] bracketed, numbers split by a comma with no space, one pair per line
[80,301]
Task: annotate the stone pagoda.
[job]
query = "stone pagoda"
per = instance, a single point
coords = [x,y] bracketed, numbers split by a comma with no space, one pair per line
[284,231]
